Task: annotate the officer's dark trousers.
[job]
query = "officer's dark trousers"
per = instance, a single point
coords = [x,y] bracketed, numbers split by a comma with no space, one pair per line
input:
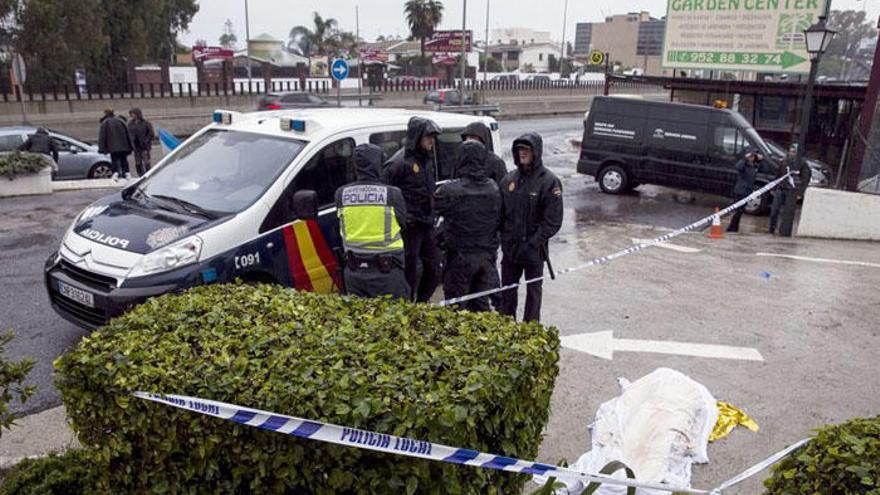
[467,274]
[779,197]
[420,246]
[372,282]
[511,273]
[737,214]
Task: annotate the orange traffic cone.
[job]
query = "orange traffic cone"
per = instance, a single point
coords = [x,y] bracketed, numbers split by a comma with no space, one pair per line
[716,232]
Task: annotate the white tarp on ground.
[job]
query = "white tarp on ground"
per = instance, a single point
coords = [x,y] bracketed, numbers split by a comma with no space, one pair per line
[659,426]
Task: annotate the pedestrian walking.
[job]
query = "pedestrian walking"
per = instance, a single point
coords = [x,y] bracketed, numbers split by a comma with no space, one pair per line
[747,169]
[471,211]
[142,136]
[114,139]
[412,170]
[781,192]
[532,204]
[371,214]
[41,142]
[495,167]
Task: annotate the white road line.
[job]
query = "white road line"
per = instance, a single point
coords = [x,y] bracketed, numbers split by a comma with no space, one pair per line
[820,260]
[603,345]
[667,245]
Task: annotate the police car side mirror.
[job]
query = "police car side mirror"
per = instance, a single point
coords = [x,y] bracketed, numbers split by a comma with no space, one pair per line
[305,205]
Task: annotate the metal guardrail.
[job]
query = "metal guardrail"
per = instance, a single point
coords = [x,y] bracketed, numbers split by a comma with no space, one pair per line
[487,109]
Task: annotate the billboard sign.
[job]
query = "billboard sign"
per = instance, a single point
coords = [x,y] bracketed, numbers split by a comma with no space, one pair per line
[449,41]
[205,53]
[444,58]
[739,35]
[374,55]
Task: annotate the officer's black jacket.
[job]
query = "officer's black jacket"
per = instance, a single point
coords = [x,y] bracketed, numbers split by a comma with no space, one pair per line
[412,170]
[495,167]
[470,206]
[40,142]
[532,203]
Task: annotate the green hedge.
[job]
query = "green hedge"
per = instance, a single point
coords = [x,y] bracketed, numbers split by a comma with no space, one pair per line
[17,163]
[479,381]
[841,459]
[66,474]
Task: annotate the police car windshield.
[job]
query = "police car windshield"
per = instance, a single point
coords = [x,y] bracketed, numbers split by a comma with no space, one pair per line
[223,171]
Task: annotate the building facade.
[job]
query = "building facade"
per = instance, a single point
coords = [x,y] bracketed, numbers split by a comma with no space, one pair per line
[634,40]
[518,36]
[531,57]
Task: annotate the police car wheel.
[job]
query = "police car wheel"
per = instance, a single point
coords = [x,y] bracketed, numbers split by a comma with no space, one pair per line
[758,206]
[101,170]
[613,179]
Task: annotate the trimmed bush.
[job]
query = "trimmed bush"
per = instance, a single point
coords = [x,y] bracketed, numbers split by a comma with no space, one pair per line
[478,381]
[17,163]
[12,376]
[841,459]
[66,474]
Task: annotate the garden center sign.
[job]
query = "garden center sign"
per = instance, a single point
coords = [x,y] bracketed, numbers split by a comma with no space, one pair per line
[739,35]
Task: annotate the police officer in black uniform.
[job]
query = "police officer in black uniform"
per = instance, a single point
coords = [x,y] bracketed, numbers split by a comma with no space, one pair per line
[412,169]
[471,209]
[371,214]
[532,200]
[495,167]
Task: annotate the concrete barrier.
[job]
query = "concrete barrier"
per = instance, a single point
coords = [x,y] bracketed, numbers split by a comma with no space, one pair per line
[24,185]
[832,214]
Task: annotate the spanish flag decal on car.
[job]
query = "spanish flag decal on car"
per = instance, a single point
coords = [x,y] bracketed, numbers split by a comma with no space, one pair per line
[313,266]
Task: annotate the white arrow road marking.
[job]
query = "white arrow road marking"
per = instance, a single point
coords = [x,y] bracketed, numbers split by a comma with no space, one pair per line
[820,260]
[603,345]
[667,245]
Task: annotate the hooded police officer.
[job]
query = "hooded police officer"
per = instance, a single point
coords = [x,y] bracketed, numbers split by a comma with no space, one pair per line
[532,201]
[412,169]
[471,209]
[371,214]
[495,167]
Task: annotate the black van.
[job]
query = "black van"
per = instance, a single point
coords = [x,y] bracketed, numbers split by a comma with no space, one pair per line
[629,141]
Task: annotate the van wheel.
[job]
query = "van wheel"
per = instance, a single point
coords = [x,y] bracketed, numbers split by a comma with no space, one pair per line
[759,206]
[613,179]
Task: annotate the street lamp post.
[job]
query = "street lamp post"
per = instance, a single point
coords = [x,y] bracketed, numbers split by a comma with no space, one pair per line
[817,38]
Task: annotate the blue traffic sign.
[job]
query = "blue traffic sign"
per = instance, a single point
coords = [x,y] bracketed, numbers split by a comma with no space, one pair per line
[339,69]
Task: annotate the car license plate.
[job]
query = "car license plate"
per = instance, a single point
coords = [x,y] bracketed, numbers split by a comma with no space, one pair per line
[78,295]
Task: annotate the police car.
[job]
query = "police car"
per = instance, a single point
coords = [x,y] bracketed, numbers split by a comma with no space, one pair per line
[250,197]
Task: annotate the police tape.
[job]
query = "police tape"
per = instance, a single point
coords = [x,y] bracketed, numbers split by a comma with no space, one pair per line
[391,444]
[625,252]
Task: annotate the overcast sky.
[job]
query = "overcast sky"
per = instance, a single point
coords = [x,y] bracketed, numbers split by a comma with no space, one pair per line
[276,17]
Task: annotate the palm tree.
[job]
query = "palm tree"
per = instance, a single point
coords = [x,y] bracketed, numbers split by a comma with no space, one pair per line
[315,41]
[423,16]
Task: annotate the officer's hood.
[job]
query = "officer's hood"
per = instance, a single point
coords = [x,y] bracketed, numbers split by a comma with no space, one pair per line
[534,141]
[472,160]
[418,128]
[478,129]
[368,160]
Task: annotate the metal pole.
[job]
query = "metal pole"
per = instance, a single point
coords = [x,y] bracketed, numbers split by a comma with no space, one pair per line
[562,47]
[787,221]
[357,38]
[463,47]
[247,43]
[485,56]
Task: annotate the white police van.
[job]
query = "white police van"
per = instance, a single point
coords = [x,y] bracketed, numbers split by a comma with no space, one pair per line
[250,196]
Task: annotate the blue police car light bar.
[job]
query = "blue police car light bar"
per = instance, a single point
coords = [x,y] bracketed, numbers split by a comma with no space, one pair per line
[293,125]
[222,118]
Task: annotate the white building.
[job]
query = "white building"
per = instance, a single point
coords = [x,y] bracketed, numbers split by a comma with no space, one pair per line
[532,57]
[518,36]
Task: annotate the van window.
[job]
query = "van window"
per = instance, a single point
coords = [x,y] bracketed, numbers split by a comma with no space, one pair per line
[223,171]
[390,142]
[329,169]
[729,141]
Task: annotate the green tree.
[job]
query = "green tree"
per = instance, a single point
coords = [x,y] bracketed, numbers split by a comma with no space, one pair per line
[103,36]
[228,39]
[423,17]
[323,38]
[852,30]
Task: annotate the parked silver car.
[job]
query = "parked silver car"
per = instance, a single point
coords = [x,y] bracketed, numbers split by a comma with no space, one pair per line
[76,159]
